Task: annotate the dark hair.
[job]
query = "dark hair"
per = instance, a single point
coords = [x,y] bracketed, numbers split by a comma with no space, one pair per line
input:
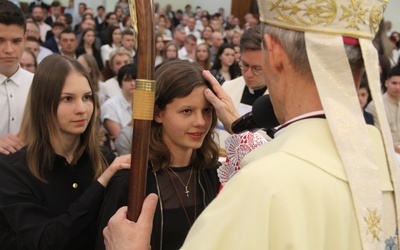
[177,79]
[234,69]
[127,71]
[109,14]
[58,24]
[10,14]
[251,39]
[395,71]
[68,18]
[229,26]
[32,39]
[100,7]
[364,85]
[55,4]
[190,37]
[128,32]
[33,55]
[111,30]
[207,63]
[84,17]
[166,46]
[82,42]
[43,101]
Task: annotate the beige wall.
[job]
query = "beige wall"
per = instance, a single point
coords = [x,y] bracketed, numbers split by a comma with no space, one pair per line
[392,14]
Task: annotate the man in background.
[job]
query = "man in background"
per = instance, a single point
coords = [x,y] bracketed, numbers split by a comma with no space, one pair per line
[14,81]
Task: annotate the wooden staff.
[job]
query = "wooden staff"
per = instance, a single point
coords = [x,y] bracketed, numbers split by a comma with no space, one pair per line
[142,15]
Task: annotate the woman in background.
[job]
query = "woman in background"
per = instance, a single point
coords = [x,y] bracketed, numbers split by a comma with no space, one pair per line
[159,47]
[87,46]
[114,42]
[224,67]
[170,51]
[202,56]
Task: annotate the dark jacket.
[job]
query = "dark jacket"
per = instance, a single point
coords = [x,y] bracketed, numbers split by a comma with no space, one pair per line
[59,214]
[117,196]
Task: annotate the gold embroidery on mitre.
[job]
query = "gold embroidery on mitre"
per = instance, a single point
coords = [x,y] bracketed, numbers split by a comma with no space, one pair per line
[376,15]
[320,12]
[355,18]
[353,13]
[374,224]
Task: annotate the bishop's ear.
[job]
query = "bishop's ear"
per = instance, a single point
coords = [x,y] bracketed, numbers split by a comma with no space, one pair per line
[276,54]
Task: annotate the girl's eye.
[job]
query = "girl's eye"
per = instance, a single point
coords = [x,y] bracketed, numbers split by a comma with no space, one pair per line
[67,98]
[88,97]
[186,111]
[207,110]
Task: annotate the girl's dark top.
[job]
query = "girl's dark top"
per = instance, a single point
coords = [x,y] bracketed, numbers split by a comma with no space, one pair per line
[59,214]
[170,225]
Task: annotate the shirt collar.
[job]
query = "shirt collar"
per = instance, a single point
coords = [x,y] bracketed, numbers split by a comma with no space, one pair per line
[16,78]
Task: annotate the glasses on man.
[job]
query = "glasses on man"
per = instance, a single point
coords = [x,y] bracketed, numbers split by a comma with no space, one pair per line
[257,70]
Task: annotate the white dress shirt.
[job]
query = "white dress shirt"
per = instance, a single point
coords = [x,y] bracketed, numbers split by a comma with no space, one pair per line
[13,94]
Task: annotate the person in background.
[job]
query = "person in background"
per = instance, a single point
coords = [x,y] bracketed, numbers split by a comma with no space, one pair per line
[68,43]
[55,12]
[14,81]
[391,101]
[90,65]
[216,41]
[28,61]
[38,16]
[87,46]
[159,47]
[118,58]
[188,51]
[124,5]
[113,44]
[202,56]
[52,42]
[38,3]
[236,35]
[179,35]
[128,42]
[182,157]
[116,112]
[170,51]
[100,18]
[190,27]
[206,35]
[56,183]
[364,96]
[32,30]
[109,23]
[162,27]
[224,67]
[245,90]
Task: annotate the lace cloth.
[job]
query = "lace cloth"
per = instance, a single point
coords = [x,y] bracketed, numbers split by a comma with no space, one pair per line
[237,147]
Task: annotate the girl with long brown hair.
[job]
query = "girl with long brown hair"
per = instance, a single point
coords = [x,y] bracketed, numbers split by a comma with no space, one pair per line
[52,189]
[182,156]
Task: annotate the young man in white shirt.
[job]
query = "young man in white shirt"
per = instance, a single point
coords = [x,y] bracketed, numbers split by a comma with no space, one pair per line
[14,81]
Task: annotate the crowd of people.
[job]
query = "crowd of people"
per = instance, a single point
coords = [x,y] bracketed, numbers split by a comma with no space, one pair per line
[210,40]
[65,133]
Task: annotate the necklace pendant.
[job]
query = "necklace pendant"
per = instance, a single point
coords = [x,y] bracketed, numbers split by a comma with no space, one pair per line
[187,192]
